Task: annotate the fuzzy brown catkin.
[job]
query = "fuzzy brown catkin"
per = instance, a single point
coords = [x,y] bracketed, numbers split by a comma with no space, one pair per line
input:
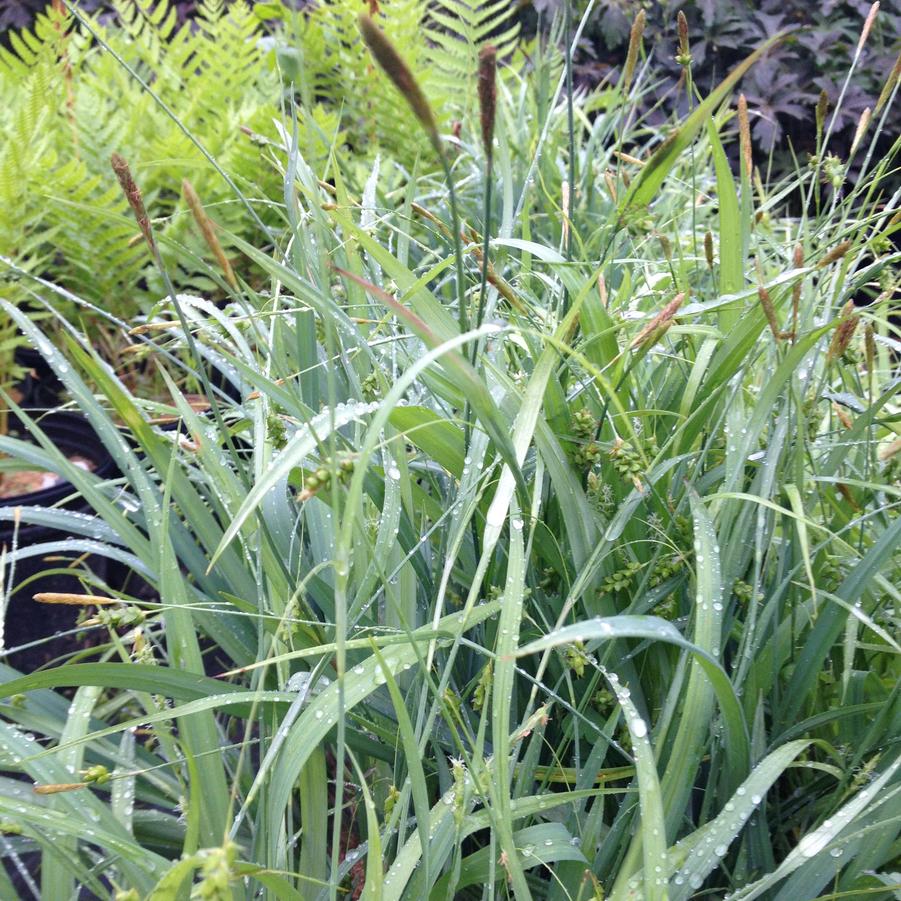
[397,70]
[134,197]
[836,253]
[655,329]
[841,338]
[488,97]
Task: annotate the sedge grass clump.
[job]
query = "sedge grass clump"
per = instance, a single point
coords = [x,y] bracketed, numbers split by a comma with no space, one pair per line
[589,595]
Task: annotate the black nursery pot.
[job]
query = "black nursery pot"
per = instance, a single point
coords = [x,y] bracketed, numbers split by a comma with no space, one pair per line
[26,620]
[41,387]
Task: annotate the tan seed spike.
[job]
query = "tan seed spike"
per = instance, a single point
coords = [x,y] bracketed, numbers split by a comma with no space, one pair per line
[665,245]
[397,70]
[628,159]
[208,230]
[79,600]
[635,36]
[744,132]
[862,125]
[889,85]
[867,25]
[602,291]
[58,788]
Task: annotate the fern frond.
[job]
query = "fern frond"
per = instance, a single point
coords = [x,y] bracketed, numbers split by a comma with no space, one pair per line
[67,108]
[459,29]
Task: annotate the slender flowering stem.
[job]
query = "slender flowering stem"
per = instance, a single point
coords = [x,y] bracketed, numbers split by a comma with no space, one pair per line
[398,71]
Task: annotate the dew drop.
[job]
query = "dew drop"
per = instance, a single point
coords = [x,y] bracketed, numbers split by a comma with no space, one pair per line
[639,728]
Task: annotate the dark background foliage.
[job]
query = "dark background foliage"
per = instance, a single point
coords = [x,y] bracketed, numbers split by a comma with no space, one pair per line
[783,88]
[18,14]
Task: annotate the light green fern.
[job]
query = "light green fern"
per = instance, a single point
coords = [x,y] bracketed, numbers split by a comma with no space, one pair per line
[68,106]
[458,29]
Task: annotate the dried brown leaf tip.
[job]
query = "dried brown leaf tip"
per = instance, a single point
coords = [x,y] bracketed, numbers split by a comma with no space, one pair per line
[397,70]
[635,36]
[488,97]
[208,230]
[134,197]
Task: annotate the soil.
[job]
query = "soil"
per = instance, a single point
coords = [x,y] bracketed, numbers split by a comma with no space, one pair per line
[24,481]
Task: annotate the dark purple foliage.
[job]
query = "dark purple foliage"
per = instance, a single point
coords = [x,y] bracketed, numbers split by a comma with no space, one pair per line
[16,15]
[783,88]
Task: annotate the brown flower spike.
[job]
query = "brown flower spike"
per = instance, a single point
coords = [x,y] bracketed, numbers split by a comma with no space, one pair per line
[397,70]
[660,324]
[769,310]
[683,57]
[133,196]
[488,97]
[844,333]
[835,254]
